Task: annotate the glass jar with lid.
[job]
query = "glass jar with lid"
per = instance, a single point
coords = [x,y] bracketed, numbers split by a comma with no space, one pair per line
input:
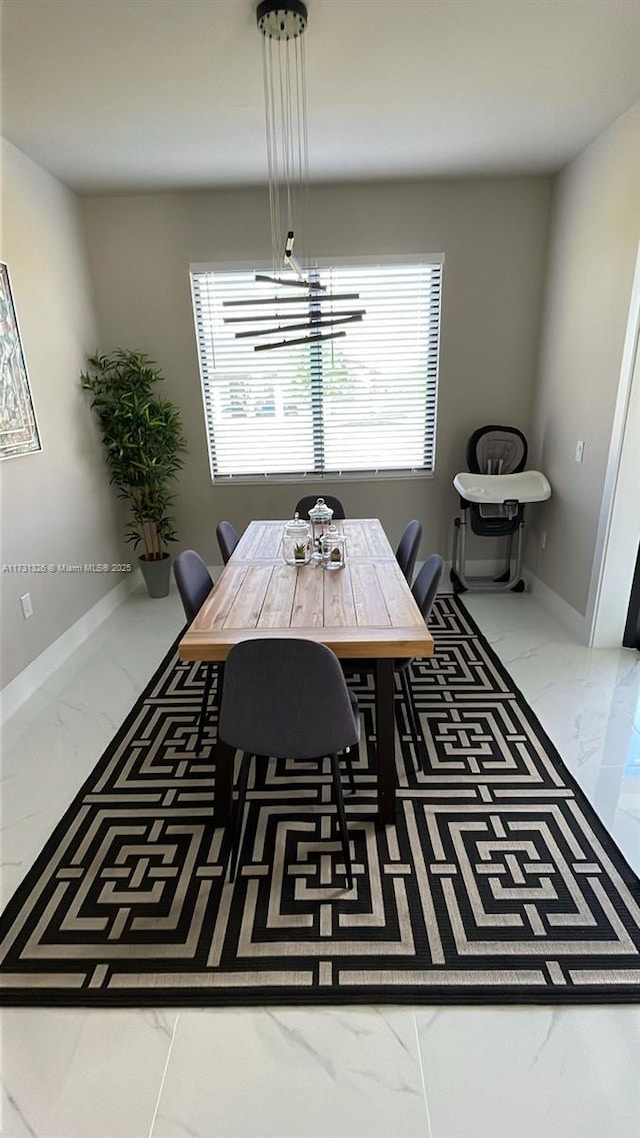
[333,549]
[296,541]
[320,517]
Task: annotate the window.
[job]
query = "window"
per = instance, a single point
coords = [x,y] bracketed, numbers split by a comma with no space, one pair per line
[363,403]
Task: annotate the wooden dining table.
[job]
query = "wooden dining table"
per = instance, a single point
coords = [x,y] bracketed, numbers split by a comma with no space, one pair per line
[363,611]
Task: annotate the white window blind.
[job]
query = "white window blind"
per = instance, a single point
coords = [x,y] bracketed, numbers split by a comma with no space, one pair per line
[363,403]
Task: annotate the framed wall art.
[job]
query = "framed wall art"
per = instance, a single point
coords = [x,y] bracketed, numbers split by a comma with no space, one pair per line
[18,426]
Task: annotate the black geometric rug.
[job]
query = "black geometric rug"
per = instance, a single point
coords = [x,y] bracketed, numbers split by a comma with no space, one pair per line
[497,885]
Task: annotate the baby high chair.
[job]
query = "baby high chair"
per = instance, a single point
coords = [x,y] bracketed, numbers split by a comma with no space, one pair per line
[493,494]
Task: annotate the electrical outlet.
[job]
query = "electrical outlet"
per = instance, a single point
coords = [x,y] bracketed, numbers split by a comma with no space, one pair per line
[543,538]
[579,450]
[27,607]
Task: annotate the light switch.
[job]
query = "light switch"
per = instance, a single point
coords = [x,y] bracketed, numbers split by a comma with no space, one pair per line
[579,450]
[27,607]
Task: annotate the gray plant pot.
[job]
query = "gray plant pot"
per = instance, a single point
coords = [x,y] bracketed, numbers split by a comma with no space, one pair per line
[156,575]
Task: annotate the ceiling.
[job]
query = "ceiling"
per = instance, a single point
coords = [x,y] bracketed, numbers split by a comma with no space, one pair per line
[122,95]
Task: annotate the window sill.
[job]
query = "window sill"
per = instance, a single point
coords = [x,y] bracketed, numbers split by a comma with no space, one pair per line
[220,480]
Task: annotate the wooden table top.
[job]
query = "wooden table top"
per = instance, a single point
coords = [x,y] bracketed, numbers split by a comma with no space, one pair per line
[363,610]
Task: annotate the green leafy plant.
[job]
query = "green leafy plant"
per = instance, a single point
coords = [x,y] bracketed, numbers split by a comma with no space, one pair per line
[300,551]
[143,439]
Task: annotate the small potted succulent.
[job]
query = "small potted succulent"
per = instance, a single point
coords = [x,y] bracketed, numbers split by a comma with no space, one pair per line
[300,553]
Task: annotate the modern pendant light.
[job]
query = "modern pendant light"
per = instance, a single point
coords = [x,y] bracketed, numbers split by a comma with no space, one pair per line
[282,24]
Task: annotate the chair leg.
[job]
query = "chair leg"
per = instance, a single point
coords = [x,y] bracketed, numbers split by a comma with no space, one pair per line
[243,779]
[217,695]
[414,723]
[208,680]
[342,819]
[349,770]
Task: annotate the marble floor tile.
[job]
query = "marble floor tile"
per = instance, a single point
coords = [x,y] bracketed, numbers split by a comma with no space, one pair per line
[294,1073]
[76,1074]
[537,1072]
[52,743]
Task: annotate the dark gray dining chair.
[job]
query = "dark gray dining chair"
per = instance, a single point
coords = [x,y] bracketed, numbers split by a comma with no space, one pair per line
[194,585]
[424,590]
[288,699]
[308,502]
[408,547]
[227,539]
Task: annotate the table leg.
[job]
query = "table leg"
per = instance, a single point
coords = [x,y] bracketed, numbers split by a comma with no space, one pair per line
[224,758]
[386,756]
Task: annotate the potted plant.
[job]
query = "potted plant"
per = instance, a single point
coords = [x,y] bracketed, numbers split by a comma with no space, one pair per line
[143,439]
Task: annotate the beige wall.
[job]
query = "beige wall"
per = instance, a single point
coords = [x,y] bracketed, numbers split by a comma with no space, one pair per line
[56,504]
[594,242]
[493,233]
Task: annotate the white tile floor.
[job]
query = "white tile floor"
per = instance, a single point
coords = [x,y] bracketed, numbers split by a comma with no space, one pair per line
[537,1072]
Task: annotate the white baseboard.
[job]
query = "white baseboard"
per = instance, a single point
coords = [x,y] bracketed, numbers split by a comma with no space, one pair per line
[27,682]
[574,621]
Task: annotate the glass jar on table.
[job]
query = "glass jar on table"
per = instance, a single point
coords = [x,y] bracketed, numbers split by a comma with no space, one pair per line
[297,541]
[320,517]
[333,547]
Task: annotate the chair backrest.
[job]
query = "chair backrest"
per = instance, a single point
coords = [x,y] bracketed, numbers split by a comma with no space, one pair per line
[426,584]
[496,450]
[287,698]
[407,550]
[227,539]
[308,502]
[194,581]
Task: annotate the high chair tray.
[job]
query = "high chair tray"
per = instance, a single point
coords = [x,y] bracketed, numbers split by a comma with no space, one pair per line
[528,486]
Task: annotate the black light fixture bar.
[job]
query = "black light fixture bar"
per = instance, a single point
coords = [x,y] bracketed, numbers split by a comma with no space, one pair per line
[288,316]
[296,327]
[295,284]
[290,299]
[300,340]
